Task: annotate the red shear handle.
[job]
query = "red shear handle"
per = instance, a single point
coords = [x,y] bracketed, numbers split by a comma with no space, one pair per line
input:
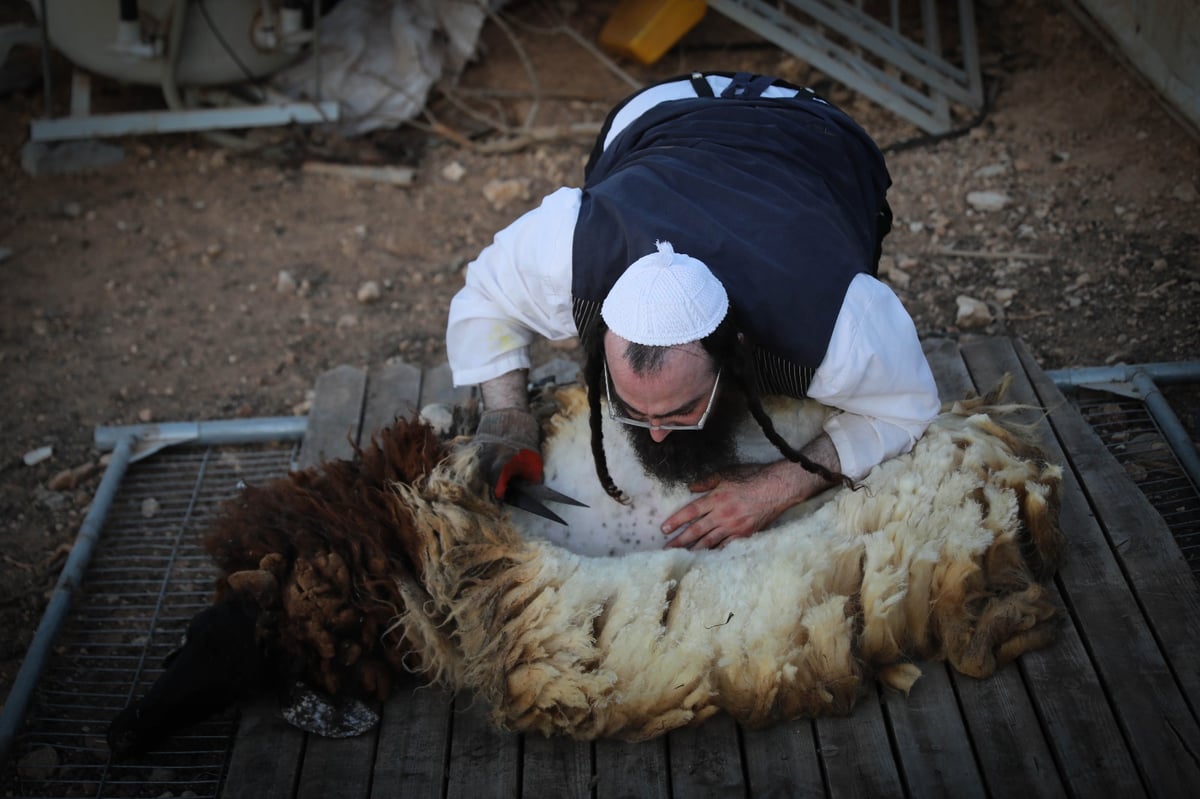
[525,464]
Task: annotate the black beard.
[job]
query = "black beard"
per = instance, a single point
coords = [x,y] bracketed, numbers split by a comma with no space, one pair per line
[688,456]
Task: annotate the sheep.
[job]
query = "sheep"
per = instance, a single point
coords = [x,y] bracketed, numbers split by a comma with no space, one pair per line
[306,594]
[358,572]
[940,555]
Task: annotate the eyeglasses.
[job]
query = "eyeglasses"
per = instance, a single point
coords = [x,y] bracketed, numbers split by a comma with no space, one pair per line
[617,417]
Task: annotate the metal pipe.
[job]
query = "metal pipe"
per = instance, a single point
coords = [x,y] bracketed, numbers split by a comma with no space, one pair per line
[19,698]
[221,431]
[1172,429]
[1169,372]
[47,80]
[1144,378]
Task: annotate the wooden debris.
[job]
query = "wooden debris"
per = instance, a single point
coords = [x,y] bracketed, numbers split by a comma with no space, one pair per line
[394,175]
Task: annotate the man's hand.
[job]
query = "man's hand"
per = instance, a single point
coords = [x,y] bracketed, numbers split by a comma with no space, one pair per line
[507,439]
[741,501]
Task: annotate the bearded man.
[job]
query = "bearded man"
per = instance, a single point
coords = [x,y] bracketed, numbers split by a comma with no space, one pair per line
[723,247]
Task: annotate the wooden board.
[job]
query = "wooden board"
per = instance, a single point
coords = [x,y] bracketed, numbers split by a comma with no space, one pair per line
[1115,675]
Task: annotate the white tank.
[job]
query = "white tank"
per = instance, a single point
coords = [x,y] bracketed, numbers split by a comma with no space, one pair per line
[252,39]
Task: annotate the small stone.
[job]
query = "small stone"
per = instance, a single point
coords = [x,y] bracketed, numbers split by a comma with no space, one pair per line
[150,507]
[369,292]
[35,456]
[1004,296]
[972,313]
[347,320]
[988,200]
[1184,192]
[285,283]
[502,192]
[145,415]
[39,764]
[454,172]
[72,210]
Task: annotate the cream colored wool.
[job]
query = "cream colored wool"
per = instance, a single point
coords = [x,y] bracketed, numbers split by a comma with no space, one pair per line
[925,561]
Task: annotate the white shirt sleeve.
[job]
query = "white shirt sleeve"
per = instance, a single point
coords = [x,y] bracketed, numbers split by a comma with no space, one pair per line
[519,287]
[876,373]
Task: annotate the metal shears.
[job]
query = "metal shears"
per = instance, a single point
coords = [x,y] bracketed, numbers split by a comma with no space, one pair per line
[532,497]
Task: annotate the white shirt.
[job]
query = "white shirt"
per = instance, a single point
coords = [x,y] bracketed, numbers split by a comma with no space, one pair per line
[520,287]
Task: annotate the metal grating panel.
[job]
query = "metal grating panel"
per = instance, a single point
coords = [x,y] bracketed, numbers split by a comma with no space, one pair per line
[1134,438]
[148,577]
[912,57]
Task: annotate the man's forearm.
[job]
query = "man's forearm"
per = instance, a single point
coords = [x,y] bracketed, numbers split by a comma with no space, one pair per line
[509,390]
[802,483]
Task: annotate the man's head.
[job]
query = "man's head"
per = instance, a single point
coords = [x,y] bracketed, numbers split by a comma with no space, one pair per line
[672,407]
[659,378]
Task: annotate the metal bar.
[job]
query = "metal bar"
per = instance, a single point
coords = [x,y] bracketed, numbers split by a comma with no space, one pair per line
[1172,429]
[841,65]
[969,40]
[17,706]
[157,617]
[1144,379]
[1163,372]
[214,432]
[922,62]
[47,78]
[199,119]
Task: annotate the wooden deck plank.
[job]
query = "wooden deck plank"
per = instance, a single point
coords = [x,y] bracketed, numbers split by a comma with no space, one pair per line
[268,754]
[856,753]
[558,767]
[335,419]
[706,761]
[414,744]
[931,740]
[1126,669]
[484,761]
[781,761]
[933,746]
[437,385]
[1010,747]
[632,770]
[953,379]
[393,390]
[337,767]
[1157,571]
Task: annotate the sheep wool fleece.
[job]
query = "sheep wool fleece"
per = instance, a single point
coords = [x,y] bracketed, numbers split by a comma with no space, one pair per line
[939,556]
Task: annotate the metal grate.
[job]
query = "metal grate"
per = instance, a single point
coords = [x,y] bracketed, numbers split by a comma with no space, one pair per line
[1134,438]
[148,577]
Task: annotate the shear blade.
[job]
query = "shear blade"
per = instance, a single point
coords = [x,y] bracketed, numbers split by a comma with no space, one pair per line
[544,493]
[533,496]
[519,499]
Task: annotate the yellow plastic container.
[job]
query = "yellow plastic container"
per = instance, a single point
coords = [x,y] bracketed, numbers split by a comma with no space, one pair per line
[646,29]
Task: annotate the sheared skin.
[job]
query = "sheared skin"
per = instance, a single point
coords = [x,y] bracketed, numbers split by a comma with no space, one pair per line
[939,556]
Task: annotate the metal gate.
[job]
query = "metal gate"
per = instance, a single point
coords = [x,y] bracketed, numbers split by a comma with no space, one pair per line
[913,58]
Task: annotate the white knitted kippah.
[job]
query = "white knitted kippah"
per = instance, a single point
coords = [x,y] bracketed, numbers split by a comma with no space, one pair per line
[665,298]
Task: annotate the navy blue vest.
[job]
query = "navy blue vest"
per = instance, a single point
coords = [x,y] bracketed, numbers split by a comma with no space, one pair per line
[783,199]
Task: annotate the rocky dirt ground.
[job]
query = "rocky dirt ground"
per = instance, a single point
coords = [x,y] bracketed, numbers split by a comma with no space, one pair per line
[191,281]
